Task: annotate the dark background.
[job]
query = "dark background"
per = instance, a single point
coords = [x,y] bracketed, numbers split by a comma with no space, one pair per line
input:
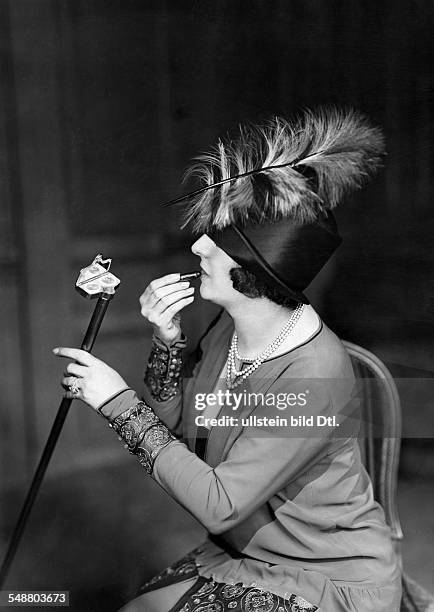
[103,104]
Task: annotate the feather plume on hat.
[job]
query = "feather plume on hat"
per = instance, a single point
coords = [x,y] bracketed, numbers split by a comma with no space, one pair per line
[283,170]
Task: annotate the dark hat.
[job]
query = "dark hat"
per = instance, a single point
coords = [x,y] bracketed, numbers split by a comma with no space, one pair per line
[268,195]
[284,255]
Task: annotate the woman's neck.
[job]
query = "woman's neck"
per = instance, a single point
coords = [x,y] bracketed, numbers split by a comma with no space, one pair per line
[257,323]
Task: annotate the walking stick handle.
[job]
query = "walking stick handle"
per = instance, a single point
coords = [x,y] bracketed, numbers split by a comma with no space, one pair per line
[102,285]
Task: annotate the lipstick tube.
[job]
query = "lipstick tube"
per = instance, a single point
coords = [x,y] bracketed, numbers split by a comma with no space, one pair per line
[189,275]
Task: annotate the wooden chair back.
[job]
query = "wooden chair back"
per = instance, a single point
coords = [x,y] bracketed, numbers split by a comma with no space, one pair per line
[381,434]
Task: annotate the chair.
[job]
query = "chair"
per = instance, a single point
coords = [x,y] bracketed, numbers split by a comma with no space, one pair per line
[382,407]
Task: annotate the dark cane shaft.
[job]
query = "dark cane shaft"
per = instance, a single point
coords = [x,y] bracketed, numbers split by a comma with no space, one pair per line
[87,344]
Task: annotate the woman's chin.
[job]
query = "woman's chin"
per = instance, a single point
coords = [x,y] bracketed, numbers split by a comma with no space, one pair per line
[205,292]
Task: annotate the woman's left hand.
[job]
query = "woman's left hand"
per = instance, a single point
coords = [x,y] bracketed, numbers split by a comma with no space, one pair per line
[93,379]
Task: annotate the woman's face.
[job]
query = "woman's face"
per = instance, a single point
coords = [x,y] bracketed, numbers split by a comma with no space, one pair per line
[215,264]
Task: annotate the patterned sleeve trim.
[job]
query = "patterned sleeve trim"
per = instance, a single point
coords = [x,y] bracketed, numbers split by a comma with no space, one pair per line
[163,371]
[143,433]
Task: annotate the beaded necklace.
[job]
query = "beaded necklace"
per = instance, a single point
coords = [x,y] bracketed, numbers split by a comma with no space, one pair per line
[232,373]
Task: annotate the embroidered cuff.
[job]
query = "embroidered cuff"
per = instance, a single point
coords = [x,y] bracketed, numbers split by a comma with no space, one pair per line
[155,439]
[180,343]
[143,433]
[163,370]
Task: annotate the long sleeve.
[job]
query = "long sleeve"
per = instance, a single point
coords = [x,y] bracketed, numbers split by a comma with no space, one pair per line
[261,461]
[115,406]
[259,464]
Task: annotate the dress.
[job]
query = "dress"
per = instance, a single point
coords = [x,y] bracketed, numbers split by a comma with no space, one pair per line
[289,509]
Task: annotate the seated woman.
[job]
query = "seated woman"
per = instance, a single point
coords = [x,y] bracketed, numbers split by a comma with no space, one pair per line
[245,437]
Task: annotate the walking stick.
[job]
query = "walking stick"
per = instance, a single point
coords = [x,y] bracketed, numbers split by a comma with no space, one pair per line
[94,281]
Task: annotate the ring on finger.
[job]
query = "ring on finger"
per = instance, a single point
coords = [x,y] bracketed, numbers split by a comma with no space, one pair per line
[74,386]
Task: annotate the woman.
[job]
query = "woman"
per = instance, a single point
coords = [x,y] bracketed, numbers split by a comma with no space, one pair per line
[247,437]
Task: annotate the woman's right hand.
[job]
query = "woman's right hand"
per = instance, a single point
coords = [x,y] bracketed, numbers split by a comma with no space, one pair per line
[161,303]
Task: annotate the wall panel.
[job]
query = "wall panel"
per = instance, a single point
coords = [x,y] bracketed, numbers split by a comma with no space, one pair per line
[103,105]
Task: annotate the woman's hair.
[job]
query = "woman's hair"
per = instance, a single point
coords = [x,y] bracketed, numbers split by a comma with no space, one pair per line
[250,285]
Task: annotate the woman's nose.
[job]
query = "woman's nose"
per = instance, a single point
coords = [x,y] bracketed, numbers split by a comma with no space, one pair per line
[199,247]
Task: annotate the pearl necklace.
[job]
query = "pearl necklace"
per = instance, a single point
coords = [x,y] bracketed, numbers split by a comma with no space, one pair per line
[233,373]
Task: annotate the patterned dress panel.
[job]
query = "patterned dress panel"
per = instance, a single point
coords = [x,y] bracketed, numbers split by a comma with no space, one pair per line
[207,595]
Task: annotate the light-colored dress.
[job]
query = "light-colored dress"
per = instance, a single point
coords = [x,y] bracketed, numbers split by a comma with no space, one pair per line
[289,508]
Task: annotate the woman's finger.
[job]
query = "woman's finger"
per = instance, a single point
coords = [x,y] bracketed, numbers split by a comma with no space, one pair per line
[150,297]
[76,369]
[164,280]
[67,381]
[158,310]
[170,312]
[79,355]
[168,300]
[70,395]
[162,292]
